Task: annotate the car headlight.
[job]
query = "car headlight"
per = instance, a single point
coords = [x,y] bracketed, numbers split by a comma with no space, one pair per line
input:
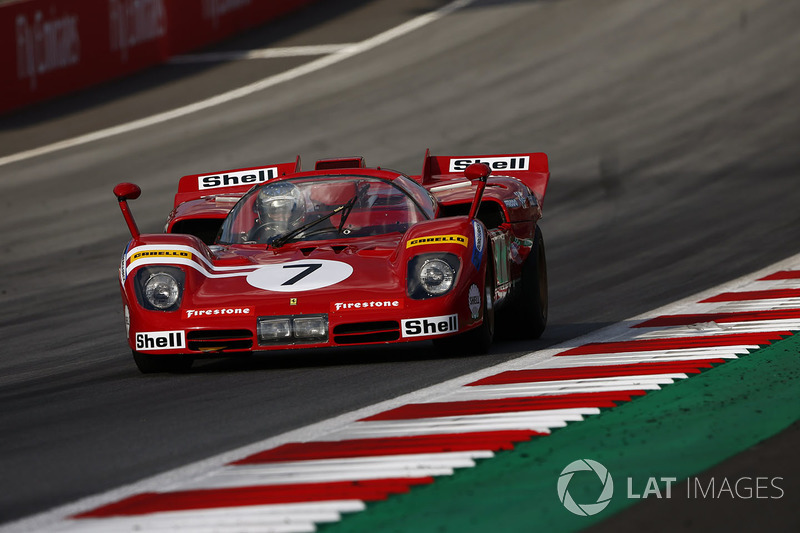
[436,276]
[161,290]
[312,327]
[274,329]
[292,330]
[431,275]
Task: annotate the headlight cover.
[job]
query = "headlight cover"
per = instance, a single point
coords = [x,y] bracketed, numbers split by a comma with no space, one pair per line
[159,288]
[431,275]
[436,276]
[292,329]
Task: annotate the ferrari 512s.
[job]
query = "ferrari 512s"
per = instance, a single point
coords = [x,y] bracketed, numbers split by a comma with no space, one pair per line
[275,258]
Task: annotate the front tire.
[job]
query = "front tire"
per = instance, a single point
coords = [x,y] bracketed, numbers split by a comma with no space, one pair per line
[154,364]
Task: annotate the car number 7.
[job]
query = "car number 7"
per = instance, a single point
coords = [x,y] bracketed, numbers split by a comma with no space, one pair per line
[309,268]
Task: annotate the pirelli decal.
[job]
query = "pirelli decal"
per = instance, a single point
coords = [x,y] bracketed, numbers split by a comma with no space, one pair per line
[146,254]
[438,239]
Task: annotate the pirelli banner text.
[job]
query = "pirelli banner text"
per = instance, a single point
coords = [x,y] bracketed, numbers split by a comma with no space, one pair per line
[52,47]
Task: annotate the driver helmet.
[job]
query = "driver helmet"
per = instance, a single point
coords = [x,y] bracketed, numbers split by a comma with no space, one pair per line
[281,205]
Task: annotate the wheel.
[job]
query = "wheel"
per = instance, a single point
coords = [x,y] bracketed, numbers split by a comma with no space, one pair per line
[528,313]
[152,364]
[477,341]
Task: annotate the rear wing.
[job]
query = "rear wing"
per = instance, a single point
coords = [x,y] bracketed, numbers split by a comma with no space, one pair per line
[532,169]
[238,180]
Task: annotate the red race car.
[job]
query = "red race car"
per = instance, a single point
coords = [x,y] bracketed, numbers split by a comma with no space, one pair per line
[274,258]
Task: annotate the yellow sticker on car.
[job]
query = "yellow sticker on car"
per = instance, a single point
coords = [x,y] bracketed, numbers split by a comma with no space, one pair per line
[438,239]
[161,253]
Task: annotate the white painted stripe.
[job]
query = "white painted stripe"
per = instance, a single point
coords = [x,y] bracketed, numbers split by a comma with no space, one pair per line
[725,328]
[766,284]
[709,352]
[207,268]
[371,461]
[760,305]
[185,262]
[243,479]
[541,420]
[245,518]
[496,392]
[247,90]
[348,469]
[630,359]
[263,53]
[154,524]
[183,248]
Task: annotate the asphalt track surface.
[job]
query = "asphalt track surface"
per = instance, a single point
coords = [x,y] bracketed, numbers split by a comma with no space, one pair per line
[672,128]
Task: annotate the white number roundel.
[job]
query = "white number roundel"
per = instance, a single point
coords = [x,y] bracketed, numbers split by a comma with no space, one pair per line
[296,276]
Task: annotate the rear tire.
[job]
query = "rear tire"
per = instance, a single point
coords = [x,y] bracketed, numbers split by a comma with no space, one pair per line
[153,364]
[528,313]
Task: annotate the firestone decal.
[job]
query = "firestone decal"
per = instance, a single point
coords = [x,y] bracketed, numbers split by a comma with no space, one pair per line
[438,239]
[366,305]
[301,275]
[217,312]
[434,325]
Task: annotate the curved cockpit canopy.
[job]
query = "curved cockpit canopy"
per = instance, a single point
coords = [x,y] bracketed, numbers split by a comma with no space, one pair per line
[326,207]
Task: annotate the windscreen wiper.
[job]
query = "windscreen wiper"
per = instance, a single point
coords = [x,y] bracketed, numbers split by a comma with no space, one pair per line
[279,241]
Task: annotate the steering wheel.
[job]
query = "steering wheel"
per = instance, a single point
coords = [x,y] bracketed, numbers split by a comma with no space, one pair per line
[264,231]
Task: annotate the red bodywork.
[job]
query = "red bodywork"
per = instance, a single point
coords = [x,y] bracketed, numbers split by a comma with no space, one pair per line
[359,284]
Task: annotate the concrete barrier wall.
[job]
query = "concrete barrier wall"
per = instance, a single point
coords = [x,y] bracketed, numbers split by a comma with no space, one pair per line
[52,47]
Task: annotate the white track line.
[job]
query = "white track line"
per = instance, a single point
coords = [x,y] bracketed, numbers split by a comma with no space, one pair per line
[264,53]
[340,55]
[587,385]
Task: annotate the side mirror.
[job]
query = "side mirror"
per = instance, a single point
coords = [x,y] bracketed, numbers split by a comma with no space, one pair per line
[127,191]
[477,171]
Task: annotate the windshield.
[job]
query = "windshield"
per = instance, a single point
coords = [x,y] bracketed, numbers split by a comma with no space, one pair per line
[317,208]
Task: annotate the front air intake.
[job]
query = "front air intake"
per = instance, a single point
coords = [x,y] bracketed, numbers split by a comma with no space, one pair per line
[367,332]
[217,340]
